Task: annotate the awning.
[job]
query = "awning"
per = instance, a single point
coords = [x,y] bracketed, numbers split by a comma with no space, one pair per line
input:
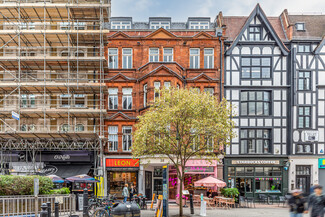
[66,171]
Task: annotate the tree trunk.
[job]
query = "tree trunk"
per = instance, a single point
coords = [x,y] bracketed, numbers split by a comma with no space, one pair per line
[181,197]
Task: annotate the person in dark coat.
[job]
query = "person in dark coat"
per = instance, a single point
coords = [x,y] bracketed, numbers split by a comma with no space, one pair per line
[316,202]
[133,191]
[297,204]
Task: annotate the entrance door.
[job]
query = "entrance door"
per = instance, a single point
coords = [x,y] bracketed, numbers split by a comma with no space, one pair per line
[148,184]
[303,178]
[157,186]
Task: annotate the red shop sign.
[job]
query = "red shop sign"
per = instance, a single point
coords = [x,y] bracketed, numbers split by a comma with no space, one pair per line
[121,162]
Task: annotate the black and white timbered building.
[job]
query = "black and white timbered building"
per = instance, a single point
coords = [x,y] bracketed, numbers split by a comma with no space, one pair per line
[307,54]
[257,84]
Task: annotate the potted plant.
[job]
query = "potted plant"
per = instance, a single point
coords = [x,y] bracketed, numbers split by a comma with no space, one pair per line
[230,192]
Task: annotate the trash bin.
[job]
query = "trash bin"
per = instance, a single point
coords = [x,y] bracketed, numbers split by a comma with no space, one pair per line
[118,210]
[128,209]
[136,211]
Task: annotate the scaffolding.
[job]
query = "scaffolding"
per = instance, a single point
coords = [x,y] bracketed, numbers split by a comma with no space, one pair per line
[52,67]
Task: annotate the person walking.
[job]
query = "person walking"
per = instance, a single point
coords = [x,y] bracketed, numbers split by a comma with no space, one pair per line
[316,202]
[296,204]
[125,193]
[133,191]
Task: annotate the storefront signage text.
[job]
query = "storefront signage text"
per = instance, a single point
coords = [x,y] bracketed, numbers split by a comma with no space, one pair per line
[257,162]
[62,157]
[199,169]
[321,163]
[122,162]
[48,170]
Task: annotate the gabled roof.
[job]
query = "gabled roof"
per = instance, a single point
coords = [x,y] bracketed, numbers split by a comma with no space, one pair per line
[261,15]
[203,35]
[121,115]
[119,33]
[161,33]
[204,76]
[159,69]
[120,77]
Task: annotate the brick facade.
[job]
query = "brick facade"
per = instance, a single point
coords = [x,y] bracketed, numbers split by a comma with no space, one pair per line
[142,72]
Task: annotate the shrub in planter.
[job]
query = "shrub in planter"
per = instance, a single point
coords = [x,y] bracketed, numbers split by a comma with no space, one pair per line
[230,192]
[24,185]
[61,191]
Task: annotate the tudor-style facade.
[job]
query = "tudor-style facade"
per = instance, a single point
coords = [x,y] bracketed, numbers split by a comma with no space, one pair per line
[142,59]
[307,98]
[257,85]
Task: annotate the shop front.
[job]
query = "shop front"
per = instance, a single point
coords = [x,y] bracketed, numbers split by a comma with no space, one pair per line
[121,171]
[256,176]
[194,171]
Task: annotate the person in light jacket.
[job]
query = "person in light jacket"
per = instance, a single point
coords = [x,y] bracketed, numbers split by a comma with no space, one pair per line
[125,193]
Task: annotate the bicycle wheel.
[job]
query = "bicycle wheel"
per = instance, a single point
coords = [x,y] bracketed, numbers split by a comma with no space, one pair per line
[100,213]
[91,209]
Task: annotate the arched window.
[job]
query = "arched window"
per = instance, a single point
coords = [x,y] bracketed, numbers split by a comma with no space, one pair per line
[23,127]
[64,127]
[80,128]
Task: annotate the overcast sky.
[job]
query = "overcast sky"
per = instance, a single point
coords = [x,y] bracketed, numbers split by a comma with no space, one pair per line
[179,10]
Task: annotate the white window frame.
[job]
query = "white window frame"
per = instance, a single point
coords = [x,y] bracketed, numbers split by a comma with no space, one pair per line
[145,95]
[127,96]
[121,25]
[65,26]
[126,138]
[301,25]
[155,56]
[169,57]
[65,96]
[167,84]
[199,25]
[156,84]
[79,96]
[76,128]
[208,58]
[114,58]
[192,56]
[113,138]
[127,58]
[159,24]
[113,94]
[209,90]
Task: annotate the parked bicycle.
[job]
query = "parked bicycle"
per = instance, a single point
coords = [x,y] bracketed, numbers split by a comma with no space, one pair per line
[101,207]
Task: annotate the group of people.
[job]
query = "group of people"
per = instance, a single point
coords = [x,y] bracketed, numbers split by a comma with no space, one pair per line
[315,203]
[126,193]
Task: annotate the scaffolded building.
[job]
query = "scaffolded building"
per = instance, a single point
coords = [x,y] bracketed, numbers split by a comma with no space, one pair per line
[51,76]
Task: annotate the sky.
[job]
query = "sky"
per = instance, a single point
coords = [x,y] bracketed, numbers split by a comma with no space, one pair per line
[179,10]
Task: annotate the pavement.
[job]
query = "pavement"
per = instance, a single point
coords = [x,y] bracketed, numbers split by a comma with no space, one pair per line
[259,211]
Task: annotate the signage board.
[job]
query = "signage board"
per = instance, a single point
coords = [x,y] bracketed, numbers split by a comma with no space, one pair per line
[64,157]
[15,115]
[47,170]
[256,162]
[122,162]
[165,191]
[321,163]
[311,135]
[36,186]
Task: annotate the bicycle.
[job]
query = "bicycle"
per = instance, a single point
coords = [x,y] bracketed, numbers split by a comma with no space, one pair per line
[99,204]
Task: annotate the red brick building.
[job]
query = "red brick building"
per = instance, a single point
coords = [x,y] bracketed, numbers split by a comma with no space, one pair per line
[141,61]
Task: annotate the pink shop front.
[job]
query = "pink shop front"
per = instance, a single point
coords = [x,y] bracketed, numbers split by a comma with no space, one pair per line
[194,171]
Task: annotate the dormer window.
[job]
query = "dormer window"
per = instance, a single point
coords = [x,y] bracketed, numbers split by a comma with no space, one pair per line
[120,25]
[254,33]
[199,25]
[300,26]
[158,24]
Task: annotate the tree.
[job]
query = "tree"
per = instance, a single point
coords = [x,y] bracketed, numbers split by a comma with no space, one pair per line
[183,124]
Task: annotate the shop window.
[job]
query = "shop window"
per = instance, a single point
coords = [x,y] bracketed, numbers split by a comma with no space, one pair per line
[127,138]
[304,149]
[255,103]
[112,58]
[231,171]
[240,171]
[249,171]
[259,171]
[112,98]
[255,67]
[304,117]
[265,185]
[127,98]
[153,54]
[168,54]
[79,100]
[113,138]
[255,141]
[208,58]
[194,58]
[117,180]
[267,171]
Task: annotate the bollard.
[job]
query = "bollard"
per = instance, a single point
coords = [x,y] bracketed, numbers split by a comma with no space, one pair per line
[44,210]
[85,203]
[49,209]
[191,204]
[56,209]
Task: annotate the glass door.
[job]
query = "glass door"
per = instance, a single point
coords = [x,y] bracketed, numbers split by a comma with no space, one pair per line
[303,178]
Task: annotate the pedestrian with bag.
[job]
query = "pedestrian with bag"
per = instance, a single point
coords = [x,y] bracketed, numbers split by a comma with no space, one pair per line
[125,193]
[316,202]
[133,191]
[297,204]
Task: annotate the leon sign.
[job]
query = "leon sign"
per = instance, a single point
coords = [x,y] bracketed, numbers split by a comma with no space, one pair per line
[122,162]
